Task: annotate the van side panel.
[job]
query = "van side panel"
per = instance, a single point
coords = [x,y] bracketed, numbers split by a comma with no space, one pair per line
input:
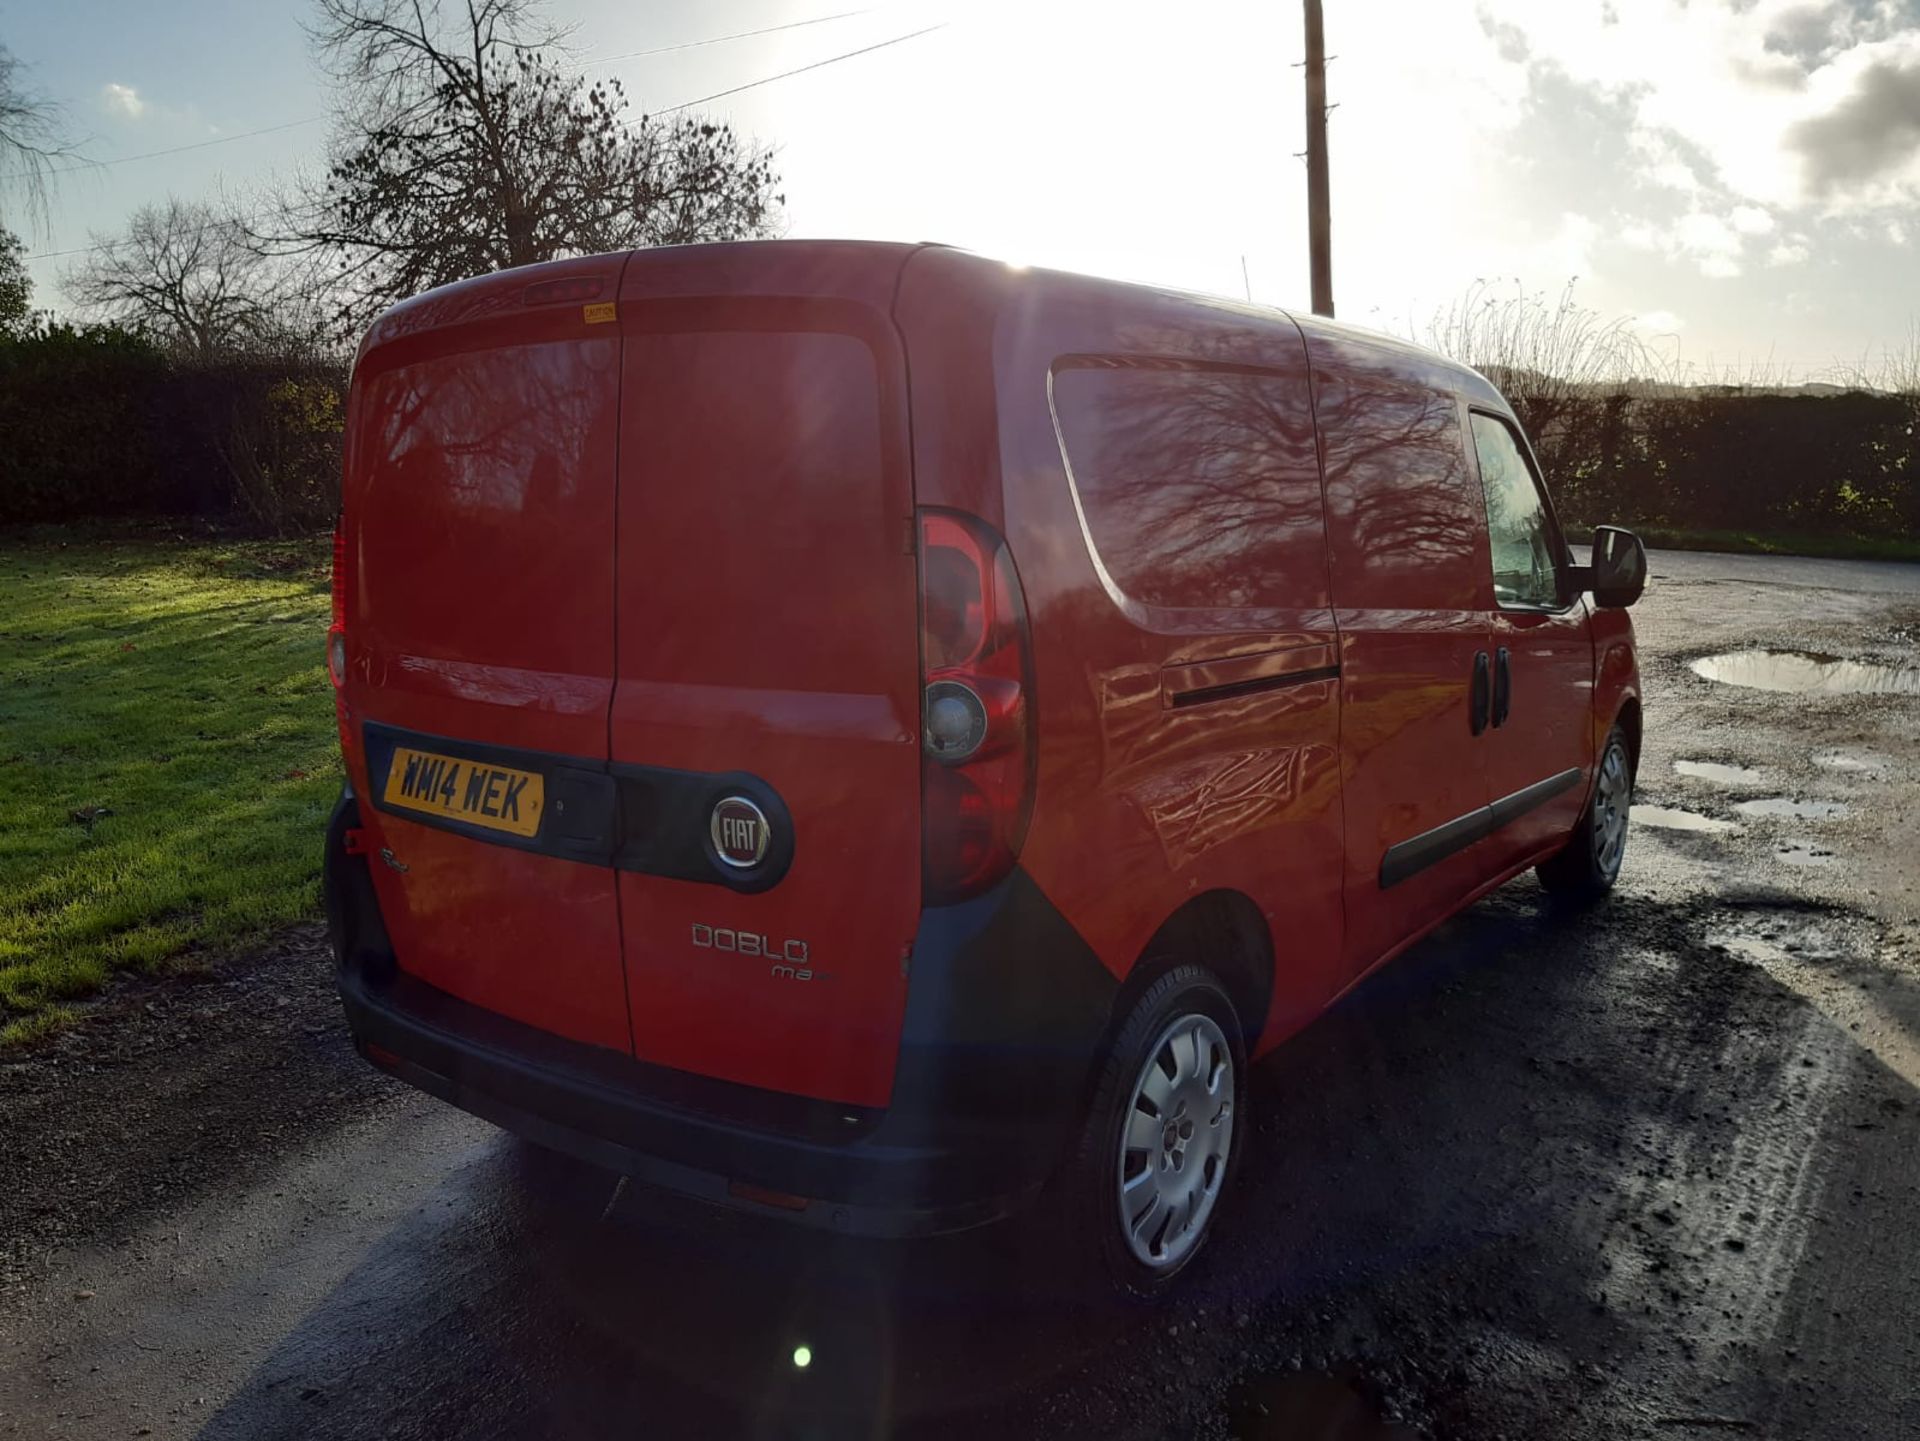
[478,514]
[1187,739]
[768,624]
[1411,588]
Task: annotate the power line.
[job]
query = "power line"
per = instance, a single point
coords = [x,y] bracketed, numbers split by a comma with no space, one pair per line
[722,39]
[195,145]
[803,69]
[316,119]
[669,110]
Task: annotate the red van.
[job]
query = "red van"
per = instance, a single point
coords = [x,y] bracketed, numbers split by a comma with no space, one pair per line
[872,734]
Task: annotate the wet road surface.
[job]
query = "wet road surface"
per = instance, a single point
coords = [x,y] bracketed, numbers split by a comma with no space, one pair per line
[1653,1171]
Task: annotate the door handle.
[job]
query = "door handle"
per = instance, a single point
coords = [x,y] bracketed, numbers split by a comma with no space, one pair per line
[1481,698]
[1502,686]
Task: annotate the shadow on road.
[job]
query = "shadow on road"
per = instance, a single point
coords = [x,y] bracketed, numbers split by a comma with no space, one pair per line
[1527,1145]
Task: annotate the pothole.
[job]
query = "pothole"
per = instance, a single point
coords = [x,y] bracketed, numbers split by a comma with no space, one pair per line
[1668,818]
[1807,673]
[1851,763]
[1804,853]
[1783,808]
[1718,773]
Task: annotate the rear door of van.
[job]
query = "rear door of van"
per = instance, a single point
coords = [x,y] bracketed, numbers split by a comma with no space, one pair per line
[478,561]
[765,720]
[1409,569]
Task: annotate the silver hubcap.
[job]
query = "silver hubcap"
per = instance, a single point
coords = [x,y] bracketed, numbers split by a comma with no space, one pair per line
[1611,802]
[1175,1140]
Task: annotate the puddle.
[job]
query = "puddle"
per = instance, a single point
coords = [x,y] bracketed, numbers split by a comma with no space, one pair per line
[1783,808]
[1807,673]
[1853,764]
[1308,1406]
[1804,853]
[1717,773]
[1774,935]
[1668,819]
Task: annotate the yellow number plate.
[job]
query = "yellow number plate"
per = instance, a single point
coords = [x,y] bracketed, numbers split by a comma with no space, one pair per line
[461,790]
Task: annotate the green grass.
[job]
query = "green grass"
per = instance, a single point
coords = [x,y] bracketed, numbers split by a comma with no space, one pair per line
[1746,542]
[167,757]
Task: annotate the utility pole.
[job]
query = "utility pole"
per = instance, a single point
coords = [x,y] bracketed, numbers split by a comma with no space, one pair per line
[1319,204]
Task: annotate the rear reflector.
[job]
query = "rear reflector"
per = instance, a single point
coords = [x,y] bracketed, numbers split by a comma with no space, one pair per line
[740,1190]
[337,629]
[381,1056]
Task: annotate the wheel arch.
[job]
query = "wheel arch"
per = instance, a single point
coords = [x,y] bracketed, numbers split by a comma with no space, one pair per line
[1223,931]
[1628,719]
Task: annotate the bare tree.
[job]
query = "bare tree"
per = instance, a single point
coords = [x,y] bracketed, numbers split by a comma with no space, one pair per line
[31,138]
[463,147]
[185,273]
[16,288]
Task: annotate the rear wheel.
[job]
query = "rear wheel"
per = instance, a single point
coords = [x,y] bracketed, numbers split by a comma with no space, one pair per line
[1163,1135]
[1589,865]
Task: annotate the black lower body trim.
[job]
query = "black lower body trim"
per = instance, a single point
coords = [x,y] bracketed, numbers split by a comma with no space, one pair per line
[1006,1011]
[1429,848]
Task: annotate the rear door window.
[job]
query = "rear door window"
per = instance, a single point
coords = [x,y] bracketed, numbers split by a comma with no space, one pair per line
[1520,529]
[1200,486]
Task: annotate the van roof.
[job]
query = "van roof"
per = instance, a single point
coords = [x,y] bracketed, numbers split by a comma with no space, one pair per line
[996,277]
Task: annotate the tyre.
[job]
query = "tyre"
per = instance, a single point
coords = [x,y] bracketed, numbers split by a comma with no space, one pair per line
[1590,863]
[1162,1139]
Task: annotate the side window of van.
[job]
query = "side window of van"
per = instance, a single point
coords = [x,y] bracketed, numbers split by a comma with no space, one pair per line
[1200,487]
[1519,530]
[1402,519]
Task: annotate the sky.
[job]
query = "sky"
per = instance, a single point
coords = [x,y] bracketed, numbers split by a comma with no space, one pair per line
[1738,178]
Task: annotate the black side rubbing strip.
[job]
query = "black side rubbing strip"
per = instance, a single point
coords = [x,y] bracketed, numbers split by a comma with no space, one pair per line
[1511,808]
[1415,854]
[1200,695]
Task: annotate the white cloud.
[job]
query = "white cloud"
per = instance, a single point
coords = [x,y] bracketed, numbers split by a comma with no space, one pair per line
[1897,232]
[1790,251]
[1662,164]
[1658,322]
[122,100]
[1640,235]
[1710,242]
[1740,98]
[1751,220]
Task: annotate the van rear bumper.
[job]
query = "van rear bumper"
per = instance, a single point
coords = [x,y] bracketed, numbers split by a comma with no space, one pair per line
[996,1053]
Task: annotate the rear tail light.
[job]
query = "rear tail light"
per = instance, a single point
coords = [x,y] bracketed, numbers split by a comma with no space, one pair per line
[337,629]
[977,748]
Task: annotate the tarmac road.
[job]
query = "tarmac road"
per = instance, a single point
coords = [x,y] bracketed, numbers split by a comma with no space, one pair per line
[1647,1172]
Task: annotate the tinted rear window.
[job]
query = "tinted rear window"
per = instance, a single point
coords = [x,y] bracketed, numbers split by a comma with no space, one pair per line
[1200,487]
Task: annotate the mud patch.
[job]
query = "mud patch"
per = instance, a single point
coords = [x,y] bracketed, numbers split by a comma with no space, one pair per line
[1669,818]
[1309,1406]
[1785,808]
[1719,774]
[1802,672]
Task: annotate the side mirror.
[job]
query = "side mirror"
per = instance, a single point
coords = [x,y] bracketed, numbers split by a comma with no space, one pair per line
[1617,572]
